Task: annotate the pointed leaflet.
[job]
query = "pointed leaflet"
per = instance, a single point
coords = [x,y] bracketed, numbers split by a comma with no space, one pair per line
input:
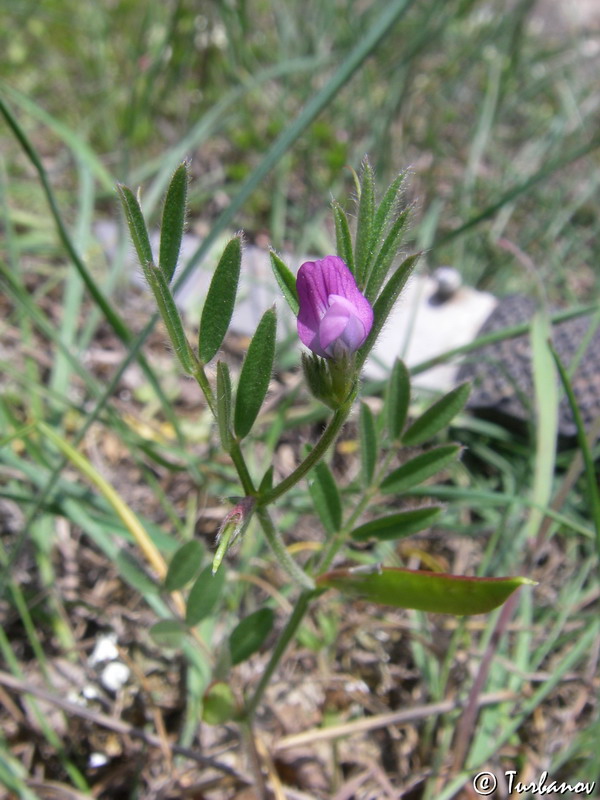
[168,311]
[385,302]
[255,375]
[326,497]
[286,281]
[204,595]
[419,468]
[397,526]
[173,221]
[220,300]
[136,224]
[247,637]
[424,591]
[342,236]
[385,257]
[397,399]
[368,443]
[364,225]
[184,565]
[437,416]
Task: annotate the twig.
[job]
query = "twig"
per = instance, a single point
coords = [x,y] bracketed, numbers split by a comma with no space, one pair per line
[118,726]
[384,720]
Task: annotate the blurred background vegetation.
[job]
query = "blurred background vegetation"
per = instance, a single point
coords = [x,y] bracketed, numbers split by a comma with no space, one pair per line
[494,105]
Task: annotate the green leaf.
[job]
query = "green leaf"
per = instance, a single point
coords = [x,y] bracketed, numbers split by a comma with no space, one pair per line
[388,207]
[326,497]
[419,469]
[287,282]
[368,443]
[438,593]
[266,483]
[224,404]
[249,634]
[397,526]
[385,302]
[219,705]
[136,224]
[256,374]
[397,399]
[220,300]
[204,595]
[173,221]
[342,236]
[184,565]
[168,633]
[386,255]
[437,416]
[170,315]
[364,225]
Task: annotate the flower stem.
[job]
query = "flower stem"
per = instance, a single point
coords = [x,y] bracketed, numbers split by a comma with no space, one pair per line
[287,635]
[279,549]
[312,459]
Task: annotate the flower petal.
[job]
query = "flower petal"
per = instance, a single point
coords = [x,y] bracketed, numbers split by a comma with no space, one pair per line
[334,315]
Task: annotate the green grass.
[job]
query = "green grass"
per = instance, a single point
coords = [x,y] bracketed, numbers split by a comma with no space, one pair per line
[271,101]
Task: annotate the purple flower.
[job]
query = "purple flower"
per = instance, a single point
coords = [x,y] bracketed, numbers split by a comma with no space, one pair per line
[334,317]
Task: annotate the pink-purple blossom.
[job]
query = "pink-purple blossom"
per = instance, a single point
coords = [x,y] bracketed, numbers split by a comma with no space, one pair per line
[334,318]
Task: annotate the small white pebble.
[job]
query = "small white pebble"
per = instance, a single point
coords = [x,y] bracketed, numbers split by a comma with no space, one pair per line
[104,650]
[114,676]
[97,760]
[90,692]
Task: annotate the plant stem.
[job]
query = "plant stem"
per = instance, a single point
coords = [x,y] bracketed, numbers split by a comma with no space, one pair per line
[242,470]
[287,635]
[312,459]
[204,384]
[279,549]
